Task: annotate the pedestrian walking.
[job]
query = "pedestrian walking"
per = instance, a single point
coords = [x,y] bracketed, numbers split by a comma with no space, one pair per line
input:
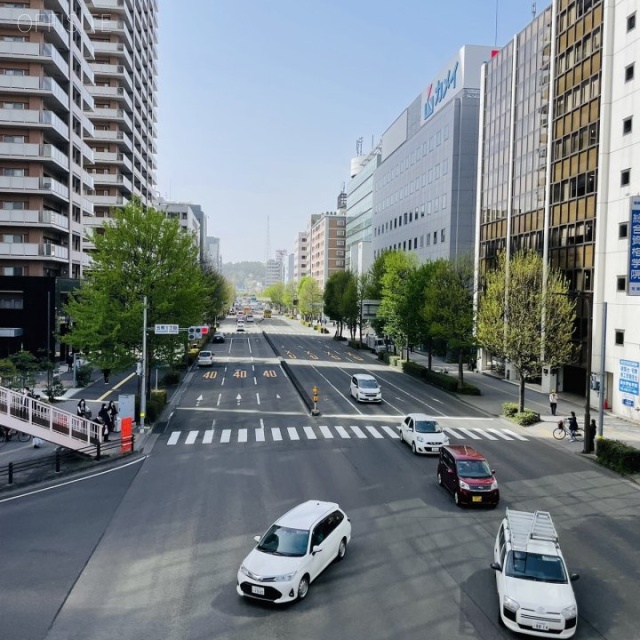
[573,426]
[70,363]
[106,373]
[553,402]
[113,415]
[82,409]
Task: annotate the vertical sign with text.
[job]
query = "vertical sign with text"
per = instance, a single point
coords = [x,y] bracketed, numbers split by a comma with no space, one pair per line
[633,288]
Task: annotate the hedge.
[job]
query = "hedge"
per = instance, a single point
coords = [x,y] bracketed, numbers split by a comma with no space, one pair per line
[526,418]
[618,456]
[441,380]
[169,378]
[509,409]
[354,344]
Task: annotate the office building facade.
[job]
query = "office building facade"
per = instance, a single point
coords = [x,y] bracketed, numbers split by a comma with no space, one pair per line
[327,245]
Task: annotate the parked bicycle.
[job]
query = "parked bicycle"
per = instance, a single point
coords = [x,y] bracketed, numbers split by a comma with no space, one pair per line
[562,431]
[7,434]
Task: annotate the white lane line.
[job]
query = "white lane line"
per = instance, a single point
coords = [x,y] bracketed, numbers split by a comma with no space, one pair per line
[219,398]
[275,434]
[226,435]
[242,435]
[469,433]
[293,434]
[358,431]
[453,432]
[500,434]
[174,437]
[374,432]
[258,397]
[310,433]
[515,435]
[255,380]
[260,435]
[392,433]
[222,383]
[488,436]
[326,432]
[342,432]
[208,436]
[262,423]
[191,438]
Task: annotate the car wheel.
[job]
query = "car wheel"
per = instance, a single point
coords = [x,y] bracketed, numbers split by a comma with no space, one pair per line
[401,436]
[303,587]
[456,498]
[439,479]
[413,448]
[342,549]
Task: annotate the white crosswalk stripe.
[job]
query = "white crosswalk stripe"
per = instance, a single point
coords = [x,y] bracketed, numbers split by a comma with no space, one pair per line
[323,432]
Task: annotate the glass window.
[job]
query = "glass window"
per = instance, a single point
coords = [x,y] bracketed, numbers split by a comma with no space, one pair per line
[619,338]
[627,125]
[631,21]
[625,177]
[628,73]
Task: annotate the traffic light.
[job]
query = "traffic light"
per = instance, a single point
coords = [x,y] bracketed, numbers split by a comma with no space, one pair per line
[195,333]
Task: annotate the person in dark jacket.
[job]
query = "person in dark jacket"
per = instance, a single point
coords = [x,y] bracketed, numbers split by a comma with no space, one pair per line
[113,414]
[573,426]
[105,420]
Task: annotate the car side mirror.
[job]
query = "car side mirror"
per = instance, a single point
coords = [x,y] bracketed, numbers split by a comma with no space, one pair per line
[574,576]
[493,471]
[496,566]
[316,549]
[256,538]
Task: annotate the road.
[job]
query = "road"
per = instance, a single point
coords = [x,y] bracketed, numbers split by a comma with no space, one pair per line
[151,551]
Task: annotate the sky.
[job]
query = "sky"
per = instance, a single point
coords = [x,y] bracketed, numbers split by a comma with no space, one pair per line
[261,102]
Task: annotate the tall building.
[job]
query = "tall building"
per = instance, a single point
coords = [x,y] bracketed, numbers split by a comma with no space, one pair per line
[327,245]
[359,212]
[213,254]
[274,272]
[189,217]
[77,125]
[301,256]
[424,189]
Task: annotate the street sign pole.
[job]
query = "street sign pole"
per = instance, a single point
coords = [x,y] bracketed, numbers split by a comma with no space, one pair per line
[143,373]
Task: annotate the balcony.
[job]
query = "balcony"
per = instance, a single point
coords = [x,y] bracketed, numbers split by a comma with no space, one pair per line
[114,49]
[106,157]
[41,152]
[112,179]
[33,250]
[114,115]
[112,93]
[109,201]
[26,117]
[35,20]
[36,85]
[34,218]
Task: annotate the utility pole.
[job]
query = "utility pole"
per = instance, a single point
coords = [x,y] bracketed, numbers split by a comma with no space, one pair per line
[143,373]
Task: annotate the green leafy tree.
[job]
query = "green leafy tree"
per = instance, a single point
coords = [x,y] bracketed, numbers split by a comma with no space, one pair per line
[525,319]
[309,297]
[8,373]
[275,293]
[448,308]
[340,301]
[140,252]
[289,294]
[27,366]
[397,307]
[372,289]
[220,294]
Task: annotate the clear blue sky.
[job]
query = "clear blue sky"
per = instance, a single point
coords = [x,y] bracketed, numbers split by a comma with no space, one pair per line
[261,101]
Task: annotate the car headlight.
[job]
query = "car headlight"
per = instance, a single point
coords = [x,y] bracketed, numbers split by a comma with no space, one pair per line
[510,603]
[420,439]
[494,485]
[284,578]
[445,440]
[244,570]
[464,485]
[570,612]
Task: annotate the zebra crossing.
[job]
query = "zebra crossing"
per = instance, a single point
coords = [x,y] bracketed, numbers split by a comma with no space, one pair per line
[324,432]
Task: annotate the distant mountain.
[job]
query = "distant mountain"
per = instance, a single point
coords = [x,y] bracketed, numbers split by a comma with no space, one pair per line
[245,275]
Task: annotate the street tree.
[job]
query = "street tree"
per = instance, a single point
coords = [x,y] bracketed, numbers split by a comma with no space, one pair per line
[525,318]
[275,293]
[448,308]
[220,294]
[340,300]
[372,288]
[309,297]
[289,294]
[139,252]
[397,307]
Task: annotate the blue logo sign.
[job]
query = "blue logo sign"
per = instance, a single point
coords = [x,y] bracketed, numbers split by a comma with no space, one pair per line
[627,403]
[634,249]
[437,95]
[629,377]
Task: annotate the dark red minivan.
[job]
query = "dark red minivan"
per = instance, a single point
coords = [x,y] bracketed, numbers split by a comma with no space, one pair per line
[467,475]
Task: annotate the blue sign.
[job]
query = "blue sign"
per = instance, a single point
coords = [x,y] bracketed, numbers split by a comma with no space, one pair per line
[629,377]
[627,403]
[435,97]
[634,249]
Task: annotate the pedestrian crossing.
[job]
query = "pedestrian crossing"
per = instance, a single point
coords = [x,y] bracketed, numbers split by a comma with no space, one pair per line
[325,432]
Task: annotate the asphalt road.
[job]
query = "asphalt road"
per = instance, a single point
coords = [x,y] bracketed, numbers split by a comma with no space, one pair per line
[151,551]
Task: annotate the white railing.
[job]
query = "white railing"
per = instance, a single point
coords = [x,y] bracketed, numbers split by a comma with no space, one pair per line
[45,421]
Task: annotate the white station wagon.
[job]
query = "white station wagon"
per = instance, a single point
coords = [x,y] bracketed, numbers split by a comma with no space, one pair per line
[534,587]
[294,551]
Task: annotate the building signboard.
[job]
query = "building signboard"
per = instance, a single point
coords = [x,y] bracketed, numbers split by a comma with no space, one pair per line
[633,276]
[629,381]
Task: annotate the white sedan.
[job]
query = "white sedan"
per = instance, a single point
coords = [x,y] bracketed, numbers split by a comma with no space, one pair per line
[295,550]
[422,433]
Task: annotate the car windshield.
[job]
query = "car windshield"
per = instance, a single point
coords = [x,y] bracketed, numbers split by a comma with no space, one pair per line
[535,566]
[368,384]
[474,469]
[284,541]
[427,426]
[205,354]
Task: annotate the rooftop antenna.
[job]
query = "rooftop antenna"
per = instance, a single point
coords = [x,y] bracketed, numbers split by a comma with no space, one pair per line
[495,43]
[533,9]
[359,142]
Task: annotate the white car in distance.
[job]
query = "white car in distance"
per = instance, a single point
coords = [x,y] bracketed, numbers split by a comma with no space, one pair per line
[422,433]
[365,388]
[205,359]
[294,551]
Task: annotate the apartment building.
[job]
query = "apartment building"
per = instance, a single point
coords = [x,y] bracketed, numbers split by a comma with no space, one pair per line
[77,125]
[327,245]
[191,218]
[274,272]
[300,256]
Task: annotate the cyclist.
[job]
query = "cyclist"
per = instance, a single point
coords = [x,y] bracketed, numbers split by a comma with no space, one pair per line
[573,426]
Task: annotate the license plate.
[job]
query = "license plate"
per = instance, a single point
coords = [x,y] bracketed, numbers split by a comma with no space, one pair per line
[476,498]
[541,626]
[435,449]
[259,591]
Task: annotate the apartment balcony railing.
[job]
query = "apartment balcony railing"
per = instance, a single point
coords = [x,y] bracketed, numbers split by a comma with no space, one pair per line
[34,218]
[118,115]
[111,157]
[35,84]
[39,185]
[32,117]
[33,250]
[109,201]
[34,20]
[112,179]
[43,152]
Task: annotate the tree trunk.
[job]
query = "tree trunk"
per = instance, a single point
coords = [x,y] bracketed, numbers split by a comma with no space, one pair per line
[521,393]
